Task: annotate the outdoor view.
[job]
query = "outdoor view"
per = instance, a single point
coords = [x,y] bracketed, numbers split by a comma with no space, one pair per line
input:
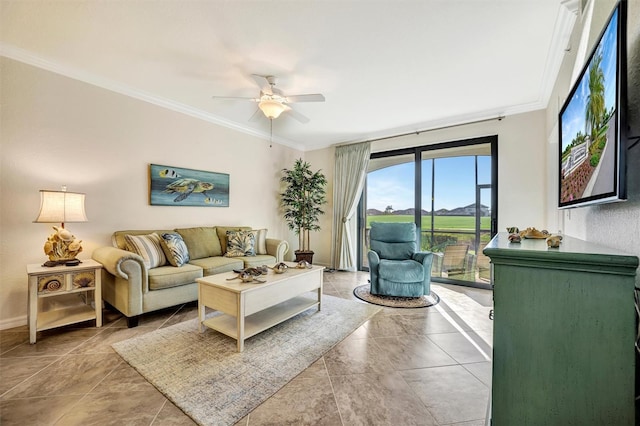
[452,223]
[588,124]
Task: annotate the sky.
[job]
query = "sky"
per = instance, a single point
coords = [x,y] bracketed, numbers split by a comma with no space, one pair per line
[454,177]
[573,118]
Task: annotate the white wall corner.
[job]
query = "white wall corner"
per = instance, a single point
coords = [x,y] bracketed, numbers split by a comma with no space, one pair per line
[572,6]
[560,44]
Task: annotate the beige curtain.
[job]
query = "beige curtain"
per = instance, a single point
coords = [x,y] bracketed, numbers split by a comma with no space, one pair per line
[350,172]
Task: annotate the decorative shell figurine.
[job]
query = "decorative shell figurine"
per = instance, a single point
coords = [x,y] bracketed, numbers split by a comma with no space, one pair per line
[514,238]
[280,268]
[554,241]
[533,233]
[62,245]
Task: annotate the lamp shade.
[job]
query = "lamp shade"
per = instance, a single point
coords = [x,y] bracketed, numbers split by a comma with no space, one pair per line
[272,109]
[61,206]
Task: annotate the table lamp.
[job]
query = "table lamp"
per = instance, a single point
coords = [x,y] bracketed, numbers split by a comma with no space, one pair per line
[60,207]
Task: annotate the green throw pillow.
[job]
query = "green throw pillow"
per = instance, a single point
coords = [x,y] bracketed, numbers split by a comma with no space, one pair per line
[201,241]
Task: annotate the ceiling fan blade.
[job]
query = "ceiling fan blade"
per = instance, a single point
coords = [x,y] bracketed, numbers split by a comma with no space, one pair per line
[256,116]
[295,114]
[234,98]
[315,97]
[263,83]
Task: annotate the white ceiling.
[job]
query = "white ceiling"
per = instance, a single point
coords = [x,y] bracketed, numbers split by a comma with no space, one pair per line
[385,67]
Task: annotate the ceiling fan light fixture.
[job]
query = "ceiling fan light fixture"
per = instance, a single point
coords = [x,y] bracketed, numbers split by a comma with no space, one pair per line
[271,108]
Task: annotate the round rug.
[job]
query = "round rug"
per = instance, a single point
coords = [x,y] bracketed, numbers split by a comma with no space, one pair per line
[362,293]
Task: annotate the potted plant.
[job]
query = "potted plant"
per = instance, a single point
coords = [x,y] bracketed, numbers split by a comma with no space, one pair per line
[302,200]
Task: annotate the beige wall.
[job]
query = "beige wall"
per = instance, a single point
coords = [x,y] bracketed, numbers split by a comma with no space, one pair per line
[522,177]
[58,131]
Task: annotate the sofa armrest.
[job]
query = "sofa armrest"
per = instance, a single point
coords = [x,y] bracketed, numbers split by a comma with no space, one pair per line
[123,264]
[112,258]
[277,248]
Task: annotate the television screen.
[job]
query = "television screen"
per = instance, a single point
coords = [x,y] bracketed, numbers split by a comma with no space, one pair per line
[592,126]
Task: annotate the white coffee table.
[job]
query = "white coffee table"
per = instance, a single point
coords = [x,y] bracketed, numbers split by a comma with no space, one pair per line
[250,308]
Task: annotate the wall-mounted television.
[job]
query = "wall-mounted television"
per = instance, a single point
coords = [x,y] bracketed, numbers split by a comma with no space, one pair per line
[592,123]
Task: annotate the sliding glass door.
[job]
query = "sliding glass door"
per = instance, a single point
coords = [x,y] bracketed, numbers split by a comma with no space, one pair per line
[391,183]
[449,191]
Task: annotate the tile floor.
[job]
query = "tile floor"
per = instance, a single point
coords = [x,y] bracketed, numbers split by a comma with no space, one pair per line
[428,366]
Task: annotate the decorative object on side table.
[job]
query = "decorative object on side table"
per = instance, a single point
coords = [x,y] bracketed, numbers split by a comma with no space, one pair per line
[61,247]
[302,200]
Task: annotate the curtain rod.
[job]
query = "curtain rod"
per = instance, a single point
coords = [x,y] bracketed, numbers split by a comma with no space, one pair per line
[417,132]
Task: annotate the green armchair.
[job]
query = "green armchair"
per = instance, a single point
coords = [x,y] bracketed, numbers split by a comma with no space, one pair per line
[396,267]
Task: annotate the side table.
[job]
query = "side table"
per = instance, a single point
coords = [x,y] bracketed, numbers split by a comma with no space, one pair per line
[45,282]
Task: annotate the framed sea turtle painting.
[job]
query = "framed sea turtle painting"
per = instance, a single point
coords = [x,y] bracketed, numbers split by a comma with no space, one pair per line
[176,186]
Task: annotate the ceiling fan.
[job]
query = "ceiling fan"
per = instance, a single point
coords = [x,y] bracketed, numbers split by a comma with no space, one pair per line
[272,102]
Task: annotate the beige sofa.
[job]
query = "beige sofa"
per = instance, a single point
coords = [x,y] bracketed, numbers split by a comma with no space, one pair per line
[134,289]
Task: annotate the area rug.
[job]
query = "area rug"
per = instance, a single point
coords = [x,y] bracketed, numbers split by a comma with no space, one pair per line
[362,293]
[213,384]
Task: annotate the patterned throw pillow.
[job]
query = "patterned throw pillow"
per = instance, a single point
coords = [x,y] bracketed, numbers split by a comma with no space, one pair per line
[240,243]
[175,249]
[261,240]
[147,246]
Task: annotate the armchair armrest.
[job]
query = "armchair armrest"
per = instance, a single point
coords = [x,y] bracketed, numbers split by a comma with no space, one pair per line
[374,263]
[424,257]
[374,260]
[277,248]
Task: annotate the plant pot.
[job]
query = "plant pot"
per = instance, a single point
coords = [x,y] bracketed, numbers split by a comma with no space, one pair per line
[304,255]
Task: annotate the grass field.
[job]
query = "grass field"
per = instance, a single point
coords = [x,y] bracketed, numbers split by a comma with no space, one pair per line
[454,223]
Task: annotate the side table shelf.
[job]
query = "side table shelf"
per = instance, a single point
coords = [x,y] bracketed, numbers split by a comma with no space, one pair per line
[46,283]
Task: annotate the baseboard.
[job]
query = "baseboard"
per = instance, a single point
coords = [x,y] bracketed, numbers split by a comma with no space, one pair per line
[13,322]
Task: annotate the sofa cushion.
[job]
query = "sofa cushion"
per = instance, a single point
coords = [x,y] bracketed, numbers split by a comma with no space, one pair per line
[169,276]
[174,248]
[261,240]
[147,246]
[240,243]
[117,239]
[257,260]
[222,234]
[201,242]
[217,265]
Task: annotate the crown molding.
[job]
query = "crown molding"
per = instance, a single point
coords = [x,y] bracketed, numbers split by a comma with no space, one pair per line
[566,19]
[26,57]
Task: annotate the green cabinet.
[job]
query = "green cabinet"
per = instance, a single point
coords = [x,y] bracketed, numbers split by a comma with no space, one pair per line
[564,333]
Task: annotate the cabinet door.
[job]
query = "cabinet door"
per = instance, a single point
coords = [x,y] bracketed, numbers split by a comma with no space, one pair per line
[563,347]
